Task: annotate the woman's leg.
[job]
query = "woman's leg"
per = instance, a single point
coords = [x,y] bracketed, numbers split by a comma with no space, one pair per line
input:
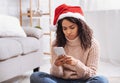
[42,77]
[97,79]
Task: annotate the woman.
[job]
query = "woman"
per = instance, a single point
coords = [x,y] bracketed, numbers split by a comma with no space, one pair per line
[79,64]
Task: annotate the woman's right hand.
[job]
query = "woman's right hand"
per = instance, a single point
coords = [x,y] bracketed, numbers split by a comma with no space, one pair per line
[60,60]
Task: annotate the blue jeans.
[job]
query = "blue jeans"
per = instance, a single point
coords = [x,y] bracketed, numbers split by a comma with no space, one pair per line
[41,77]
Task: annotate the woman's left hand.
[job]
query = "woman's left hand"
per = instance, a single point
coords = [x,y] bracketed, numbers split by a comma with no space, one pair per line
[70,60]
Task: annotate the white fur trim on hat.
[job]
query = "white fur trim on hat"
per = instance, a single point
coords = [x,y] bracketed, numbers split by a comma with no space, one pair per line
[53,27]
[71,14]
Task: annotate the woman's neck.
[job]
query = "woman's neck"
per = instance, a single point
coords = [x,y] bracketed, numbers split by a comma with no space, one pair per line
[74,42]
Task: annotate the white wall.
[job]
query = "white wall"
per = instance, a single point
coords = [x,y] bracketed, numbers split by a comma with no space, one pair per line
[9,7]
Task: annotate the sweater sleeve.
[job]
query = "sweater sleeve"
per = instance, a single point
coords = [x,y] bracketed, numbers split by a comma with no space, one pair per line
[89,69]
[55,70]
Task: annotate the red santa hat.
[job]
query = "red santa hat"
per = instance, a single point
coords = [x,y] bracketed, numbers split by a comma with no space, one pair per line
[67,11]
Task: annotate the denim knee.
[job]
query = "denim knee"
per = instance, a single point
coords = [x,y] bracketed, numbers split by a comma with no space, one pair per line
[97,79]
[34,76]
[41,77]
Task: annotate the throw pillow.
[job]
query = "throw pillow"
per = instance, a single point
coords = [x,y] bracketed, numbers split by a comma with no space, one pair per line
[10,27]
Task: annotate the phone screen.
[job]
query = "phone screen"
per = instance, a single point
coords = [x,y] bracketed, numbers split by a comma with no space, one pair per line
[59,50]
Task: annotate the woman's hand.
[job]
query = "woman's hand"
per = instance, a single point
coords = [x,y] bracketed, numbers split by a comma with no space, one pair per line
[60,60]
[64,59]
[70,60]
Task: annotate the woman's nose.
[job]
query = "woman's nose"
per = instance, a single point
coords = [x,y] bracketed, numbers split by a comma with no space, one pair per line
[68,31]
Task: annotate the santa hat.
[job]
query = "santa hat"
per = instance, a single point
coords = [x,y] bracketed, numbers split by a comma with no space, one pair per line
[67,11]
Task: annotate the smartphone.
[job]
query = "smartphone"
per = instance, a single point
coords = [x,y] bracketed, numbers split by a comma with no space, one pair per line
[59,51]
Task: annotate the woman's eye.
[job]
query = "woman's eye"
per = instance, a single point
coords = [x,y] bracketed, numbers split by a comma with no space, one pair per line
[64,28]
[72,27]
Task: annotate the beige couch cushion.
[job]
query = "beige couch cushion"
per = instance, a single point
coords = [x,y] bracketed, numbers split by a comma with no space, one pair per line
[9,48]
[28,44]
[14,46]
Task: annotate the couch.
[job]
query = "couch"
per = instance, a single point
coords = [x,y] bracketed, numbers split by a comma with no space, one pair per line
[20,48]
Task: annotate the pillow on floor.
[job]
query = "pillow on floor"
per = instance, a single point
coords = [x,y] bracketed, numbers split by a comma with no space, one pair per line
[10,27]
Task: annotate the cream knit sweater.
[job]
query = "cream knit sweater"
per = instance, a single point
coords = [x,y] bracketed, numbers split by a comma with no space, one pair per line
[87,61]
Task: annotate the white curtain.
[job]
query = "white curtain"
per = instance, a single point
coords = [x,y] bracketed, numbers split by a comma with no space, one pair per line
[95,5]
[103,16]
[106,27]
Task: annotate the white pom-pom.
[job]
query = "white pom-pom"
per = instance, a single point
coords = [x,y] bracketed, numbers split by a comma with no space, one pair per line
[53,27]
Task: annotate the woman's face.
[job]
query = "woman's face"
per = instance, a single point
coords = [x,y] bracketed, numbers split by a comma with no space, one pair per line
[69,29]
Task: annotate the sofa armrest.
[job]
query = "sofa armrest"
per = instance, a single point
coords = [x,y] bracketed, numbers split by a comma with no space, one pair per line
[33,32]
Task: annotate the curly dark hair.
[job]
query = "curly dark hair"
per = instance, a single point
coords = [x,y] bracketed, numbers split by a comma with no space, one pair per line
[84,32]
